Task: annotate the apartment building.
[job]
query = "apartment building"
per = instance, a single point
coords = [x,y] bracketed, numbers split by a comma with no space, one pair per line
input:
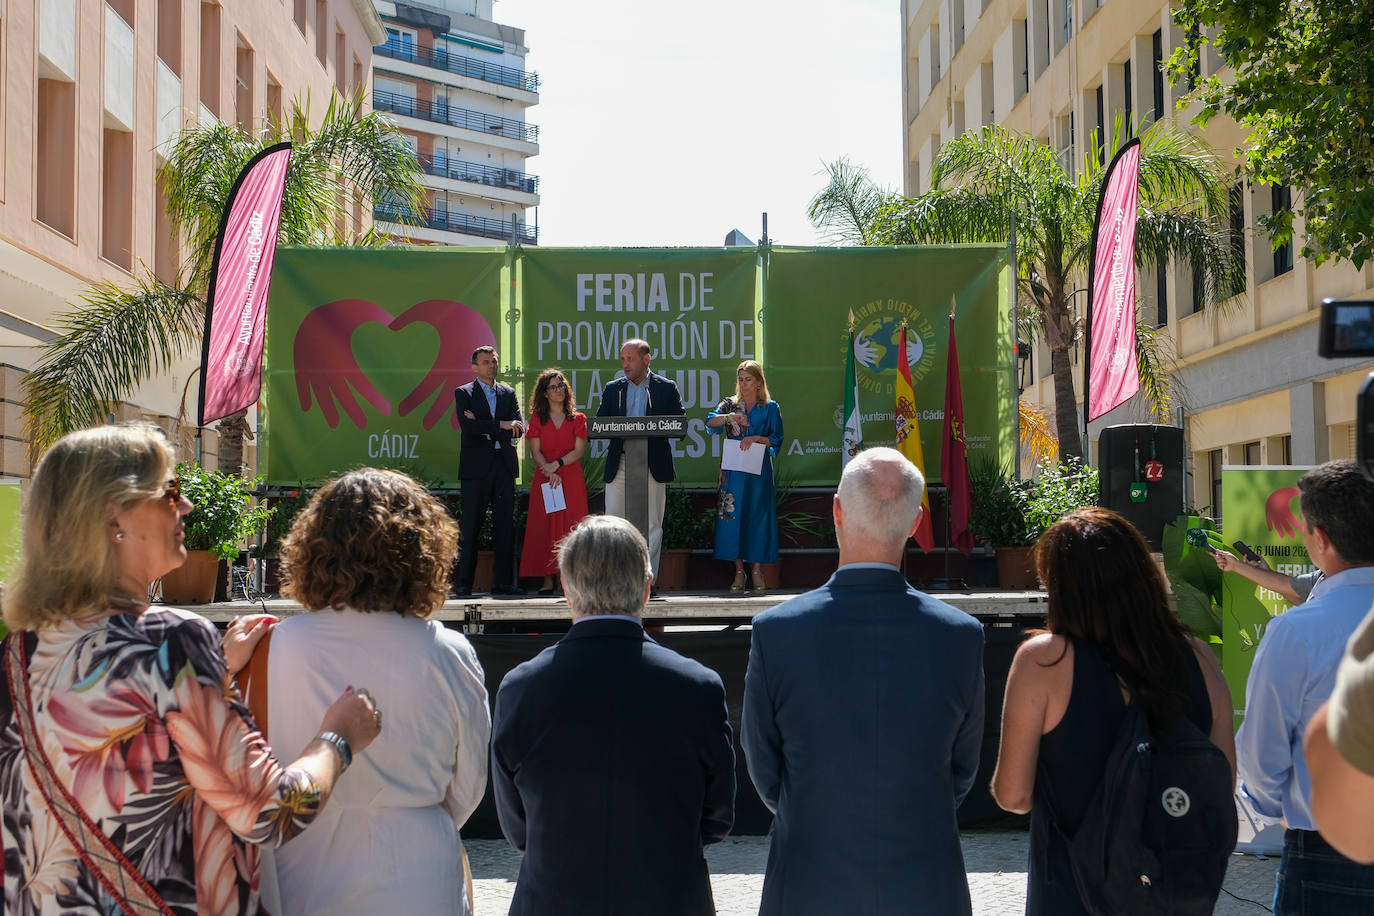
[93,95]
[1252,389]
[455,83]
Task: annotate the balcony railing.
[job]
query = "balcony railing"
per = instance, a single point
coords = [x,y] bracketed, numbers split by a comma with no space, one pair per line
[441,59]
[448,221]
[493,177]
[440,112]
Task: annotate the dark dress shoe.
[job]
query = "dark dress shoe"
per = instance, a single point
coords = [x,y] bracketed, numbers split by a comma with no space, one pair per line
[464,592]
[547,593]
[507,591]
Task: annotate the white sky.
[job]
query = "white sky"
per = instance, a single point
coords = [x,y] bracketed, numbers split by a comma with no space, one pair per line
[667,123]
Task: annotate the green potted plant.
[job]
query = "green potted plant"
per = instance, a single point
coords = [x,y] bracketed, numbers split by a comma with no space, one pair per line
[1009,515]
[684,528]
[224,517]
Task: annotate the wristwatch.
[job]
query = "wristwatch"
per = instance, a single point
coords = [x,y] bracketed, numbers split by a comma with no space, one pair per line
[341,745]
[560,462]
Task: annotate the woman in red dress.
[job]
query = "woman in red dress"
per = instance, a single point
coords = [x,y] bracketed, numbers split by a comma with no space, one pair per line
[557,436]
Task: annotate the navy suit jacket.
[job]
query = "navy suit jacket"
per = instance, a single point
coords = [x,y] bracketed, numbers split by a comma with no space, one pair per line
[479,436]
[664,401]
[862,721]
[612,764]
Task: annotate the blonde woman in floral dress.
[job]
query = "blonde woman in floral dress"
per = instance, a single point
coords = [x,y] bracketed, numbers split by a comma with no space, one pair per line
[132,777]
[747,514]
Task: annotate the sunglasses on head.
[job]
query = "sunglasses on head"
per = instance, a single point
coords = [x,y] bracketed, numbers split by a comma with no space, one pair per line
[173,491]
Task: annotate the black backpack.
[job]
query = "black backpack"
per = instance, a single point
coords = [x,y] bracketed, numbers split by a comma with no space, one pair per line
[1159,832]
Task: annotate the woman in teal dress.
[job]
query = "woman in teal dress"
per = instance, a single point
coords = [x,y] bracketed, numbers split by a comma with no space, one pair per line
[747,516]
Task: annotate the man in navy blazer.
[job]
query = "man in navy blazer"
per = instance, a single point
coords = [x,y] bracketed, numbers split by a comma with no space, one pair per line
[641,393]
[612,760]
[863,715]
[489,420]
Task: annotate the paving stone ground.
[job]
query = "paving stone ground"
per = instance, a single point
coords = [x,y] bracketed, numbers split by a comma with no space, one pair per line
[995,858]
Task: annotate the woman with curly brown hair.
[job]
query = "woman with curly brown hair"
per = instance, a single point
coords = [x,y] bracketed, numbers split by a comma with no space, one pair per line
[557,436]
[370,557]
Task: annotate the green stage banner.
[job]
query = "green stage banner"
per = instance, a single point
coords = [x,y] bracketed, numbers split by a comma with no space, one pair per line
[695,307]
[1261,509]
[808,295]
[364,349]
[365,346]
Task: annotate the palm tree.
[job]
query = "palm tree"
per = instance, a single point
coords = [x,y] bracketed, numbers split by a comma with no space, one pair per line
[984,180]
[119,337]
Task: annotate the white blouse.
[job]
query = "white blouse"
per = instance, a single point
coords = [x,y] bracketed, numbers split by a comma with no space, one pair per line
[387,839]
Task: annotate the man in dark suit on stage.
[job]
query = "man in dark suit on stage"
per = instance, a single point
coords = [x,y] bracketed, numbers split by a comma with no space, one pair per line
[641,393]
[489,417]
[863,715]
[611,757]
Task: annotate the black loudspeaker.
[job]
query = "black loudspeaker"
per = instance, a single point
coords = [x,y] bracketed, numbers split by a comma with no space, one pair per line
[1126,456]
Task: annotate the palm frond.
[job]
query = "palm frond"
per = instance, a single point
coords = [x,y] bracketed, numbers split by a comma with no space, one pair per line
[1037,432]
[115,340]
[1156,384]
[845,209]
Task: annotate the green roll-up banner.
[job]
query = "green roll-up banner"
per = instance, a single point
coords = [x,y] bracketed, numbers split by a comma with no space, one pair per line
[809,294]
[1261,509]
[365,346]
[364,349]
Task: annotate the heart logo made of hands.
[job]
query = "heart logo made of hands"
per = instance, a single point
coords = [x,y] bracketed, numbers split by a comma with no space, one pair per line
[327,372]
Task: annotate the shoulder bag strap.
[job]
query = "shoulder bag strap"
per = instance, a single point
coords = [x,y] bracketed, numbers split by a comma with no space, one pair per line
[252,681]
[116,874]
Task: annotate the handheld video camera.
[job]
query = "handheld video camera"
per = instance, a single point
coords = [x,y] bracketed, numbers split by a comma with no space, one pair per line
[1347,329]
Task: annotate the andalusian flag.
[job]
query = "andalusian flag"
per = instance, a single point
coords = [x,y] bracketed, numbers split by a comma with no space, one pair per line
[909,438]
[853,420]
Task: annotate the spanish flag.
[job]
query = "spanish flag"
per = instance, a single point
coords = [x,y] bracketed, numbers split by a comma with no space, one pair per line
[909,438]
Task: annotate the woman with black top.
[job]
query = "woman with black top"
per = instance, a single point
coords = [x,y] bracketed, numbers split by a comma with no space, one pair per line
[1108,624]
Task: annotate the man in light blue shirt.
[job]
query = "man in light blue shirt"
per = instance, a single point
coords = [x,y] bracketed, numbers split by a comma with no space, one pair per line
[1293,674]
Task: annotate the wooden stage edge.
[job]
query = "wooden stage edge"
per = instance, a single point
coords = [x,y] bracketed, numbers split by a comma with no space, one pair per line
[481,613]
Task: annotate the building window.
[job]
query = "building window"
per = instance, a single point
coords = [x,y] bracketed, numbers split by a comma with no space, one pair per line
[1199,292]
[1130,97]
[1252,454]
[357,74]
[1101,150]
[209,56]
[322,32]
[299,15]
[340,61]
[1214,481]
[1282,199]
[1238,235]
[1195,68]
[1161,295]
[169,34]
[117,197]
[124,9]
[1157,72]
[165,264]
[1286,448]
[243,85]
[274,111]
[1023,78]
[56,155]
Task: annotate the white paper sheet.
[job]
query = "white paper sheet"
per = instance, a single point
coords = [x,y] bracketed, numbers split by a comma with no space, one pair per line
[749,461]
[554,500]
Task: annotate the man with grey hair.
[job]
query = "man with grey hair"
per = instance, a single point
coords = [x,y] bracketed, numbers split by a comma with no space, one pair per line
[612,757]
[863,716]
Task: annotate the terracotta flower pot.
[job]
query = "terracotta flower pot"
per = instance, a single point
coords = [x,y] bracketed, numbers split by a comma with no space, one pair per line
[672,569]
[194,581]
[1016,568]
